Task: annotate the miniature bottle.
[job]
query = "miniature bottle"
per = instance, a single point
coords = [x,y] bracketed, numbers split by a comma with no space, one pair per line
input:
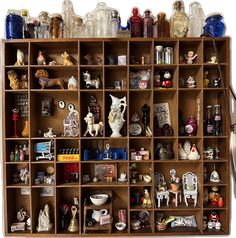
[67,15]
[136,25]
[179,21]
[114,23]
[209,122]
[196,20]
[89,26]
[161,27]
[147,24]
[17,156]
[217,121]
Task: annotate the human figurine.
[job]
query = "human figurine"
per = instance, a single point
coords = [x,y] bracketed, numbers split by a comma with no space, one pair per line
[214,195]
[190,57]
[205,79]
[147,203]
[15,118]
[41,59]
[166,82]
[95,108]
[146,119]
[191,82]
[44,223]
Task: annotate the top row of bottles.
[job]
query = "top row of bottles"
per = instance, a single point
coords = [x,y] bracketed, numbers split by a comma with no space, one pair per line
[105,22]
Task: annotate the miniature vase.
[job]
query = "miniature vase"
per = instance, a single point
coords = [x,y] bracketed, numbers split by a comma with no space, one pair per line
[116,115]
[25,132]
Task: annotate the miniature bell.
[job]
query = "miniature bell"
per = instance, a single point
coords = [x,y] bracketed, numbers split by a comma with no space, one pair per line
[74,226]
[215,177]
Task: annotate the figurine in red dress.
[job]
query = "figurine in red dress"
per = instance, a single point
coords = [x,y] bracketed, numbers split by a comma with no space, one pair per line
[15,118]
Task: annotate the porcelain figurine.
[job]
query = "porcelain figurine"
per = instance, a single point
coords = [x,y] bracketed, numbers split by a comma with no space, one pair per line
[44,223]
[45,82]
[53,62]
[214,195]
[174,181]
[206,81]
[191,82]
[49,133]
[116,115]
[91,126]
[41,59]
[19,58]
[13,78]
[187,147]
[72,83]
[213,59]
[182,154]
[147,203]
[214,221]
[191,126]
[190,57]
[91,83]
[67,59]
[194,155]
[166,82]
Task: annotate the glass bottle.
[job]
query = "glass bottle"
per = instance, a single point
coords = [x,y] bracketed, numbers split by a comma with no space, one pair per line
[209,122]
[196,20]
[136,25]
[56,26]
[14,25]
[24,15]
[179,21]
[17,155]
[217,121]
[147,24]
[161,27]
[78,30]
[89,26]
[159,55]
[114,23]
[44,28]
[67,15]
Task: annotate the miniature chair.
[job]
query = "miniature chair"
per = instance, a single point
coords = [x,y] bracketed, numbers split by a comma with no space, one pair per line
[189,181]
[161,189]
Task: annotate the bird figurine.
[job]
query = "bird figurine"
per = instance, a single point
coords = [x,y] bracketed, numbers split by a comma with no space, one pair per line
[194,155]
[187,147]
[182,154]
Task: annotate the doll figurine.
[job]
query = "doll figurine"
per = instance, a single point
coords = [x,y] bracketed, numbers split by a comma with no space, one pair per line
[190,57]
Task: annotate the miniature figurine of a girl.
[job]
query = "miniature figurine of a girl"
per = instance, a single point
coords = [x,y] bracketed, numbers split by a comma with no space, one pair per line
[190,57]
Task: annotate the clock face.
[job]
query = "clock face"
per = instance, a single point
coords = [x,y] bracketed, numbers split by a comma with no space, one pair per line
[135,129]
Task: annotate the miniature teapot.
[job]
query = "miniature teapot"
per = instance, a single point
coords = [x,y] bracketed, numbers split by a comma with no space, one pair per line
[97,214]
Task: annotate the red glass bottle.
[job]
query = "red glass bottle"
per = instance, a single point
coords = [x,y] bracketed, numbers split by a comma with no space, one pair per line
[147,24]
[136,24]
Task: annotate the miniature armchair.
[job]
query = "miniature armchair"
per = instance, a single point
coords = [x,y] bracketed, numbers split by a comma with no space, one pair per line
[189,181]
[161,189]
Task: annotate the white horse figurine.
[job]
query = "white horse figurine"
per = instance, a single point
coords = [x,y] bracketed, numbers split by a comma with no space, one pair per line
[91,126]
[19,58]
[91,83]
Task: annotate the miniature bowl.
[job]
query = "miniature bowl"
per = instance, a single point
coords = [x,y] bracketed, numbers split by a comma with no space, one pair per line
[120,226]
[99,199]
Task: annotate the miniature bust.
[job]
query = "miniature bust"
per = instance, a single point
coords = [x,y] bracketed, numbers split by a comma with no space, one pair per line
[190,57]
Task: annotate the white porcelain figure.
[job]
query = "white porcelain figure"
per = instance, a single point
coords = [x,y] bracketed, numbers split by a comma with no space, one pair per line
[194,155]
[116,115]
[72,83]
[44,223]
[182,154]
[19,58]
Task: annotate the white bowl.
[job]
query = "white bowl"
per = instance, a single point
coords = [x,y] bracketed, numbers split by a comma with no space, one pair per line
[99,199]
[120,226]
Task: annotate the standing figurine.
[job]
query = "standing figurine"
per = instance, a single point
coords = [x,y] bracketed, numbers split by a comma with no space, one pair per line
[166,82]
[191,126]
[190,57]
[19,58]
[67,59]
[147,203]
[41,59]
[95,108]
[15,118]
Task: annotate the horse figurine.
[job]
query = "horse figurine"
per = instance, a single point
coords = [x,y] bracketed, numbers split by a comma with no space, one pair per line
[91,126]
[91,83]
[44,81]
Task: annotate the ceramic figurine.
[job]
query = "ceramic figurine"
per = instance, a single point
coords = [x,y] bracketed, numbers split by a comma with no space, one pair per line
[191,82]
[45,82]
[208,153]
[187,147]
[206,81]
[53,62]
[66,59]
[24,175]
[174,181]
[24,81]
[166,82]
[95,108]
[116,115]
[214,221]
[216,82]
[13,78]
[49,133]
[91,83]
[72,83]
[91,126]
[214,195]
[19,58]
[191,126]
[182,154]
[44,223]
[190,57]
[147,203]
[41,59]
[15,118]
[213,60]
[194,155]
[123,177]
[88,59]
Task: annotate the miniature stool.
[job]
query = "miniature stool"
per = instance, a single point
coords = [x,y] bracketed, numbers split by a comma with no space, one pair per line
[177,195]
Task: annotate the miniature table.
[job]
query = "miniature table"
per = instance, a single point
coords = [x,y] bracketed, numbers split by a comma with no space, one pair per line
[177,194]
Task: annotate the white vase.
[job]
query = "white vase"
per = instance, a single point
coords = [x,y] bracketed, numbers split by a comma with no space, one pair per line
[116,115]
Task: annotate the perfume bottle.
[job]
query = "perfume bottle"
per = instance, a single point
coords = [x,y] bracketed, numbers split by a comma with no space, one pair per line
[179,21]
[136,24]
[161,27]
[147,24]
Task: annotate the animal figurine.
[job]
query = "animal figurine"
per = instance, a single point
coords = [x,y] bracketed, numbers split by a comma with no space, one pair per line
[41,59]
[72,83]
[164,152]
[147,203]
[182,154]
[88,59]
[91,126]
[190,57]
[66,59]
[14,81]
[99,60]
[49,133]
[24,81]
[19,58]
[53,62]
[191,82]
[166,82]
[91,83]
[194,155]
[45,82]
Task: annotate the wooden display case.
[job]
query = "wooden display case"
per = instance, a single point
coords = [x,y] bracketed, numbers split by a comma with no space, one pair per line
[139,54]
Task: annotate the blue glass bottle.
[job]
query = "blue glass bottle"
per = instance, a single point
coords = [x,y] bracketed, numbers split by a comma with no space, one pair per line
[215,26]
[14,26]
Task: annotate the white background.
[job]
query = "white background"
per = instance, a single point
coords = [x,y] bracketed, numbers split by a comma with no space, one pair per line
[124,6]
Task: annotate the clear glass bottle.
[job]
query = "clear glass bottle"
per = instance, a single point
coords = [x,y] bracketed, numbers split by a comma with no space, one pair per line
[89,26]
[78,30]
[217,121]
[161,27]
[209,122]
[44,28]
[67,15]
[196,20]
[114,23]
[147,24]
[179,21]
[136,25]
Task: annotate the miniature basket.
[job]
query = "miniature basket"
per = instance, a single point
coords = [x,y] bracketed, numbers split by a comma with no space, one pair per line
[161,226]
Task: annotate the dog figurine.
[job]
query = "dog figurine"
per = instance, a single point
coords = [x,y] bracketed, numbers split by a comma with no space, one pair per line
[91,126]
[45,82]
[19,58]
[41,60]
[66,59]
